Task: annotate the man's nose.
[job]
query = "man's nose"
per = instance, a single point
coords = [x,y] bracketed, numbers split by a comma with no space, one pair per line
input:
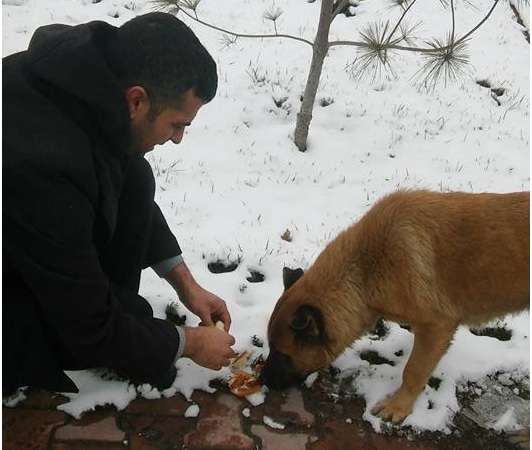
[177,137]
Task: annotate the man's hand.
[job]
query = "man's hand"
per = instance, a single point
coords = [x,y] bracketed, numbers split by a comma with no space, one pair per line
[208,307]
[209,347]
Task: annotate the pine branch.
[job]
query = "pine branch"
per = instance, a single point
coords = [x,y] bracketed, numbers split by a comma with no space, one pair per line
[448,61]
[408,32]
[375,55]
[273,13]
[444,57]
[428,49]
[486,17]
[176,6]
[399,22]
[403,4]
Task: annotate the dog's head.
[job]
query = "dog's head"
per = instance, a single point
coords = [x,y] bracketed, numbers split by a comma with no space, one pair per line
[297,334]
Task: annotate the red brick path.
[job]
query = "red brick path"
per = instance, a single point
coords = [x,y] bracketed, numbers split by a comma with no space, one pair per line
[311,421]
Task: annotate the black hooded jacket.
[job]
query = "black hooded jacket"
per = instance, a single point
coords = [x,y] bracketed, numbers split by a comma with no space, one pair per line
[65,139]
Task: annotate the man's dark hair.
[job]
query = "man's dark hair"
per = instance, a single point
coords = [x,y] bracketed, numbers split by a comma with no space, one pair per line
[160,53]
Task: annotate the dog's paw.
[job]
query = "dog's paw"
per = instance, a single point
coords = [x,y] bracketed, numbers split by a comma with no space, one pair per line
[393,409]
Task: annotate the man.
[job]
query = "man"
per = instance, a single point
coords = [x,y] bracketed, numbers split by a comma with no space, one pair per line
[80,109]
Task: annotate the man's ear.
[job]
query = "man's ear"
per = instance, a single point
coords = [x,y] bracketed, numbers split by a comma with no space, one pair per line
[138,102]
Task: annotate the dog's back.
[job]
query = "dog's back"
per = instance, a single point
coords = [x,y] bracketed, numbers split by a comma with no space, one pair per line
[473,250]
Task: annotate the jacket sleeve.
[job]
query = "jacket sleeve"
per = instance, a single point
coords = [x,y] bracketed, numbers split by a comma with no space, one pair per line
[48,215]
[163,244]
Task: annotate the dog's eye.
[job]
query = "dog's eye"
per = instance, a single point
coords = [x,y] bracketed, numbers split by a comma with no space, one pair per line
[301,323]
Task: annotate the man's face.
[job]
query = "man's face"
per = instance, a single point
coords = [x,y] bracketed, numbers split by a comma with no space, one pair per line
[169,125]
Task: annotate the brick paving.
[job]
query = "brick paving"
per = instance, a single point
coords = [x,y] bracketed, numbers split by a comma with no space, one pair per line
[290,420]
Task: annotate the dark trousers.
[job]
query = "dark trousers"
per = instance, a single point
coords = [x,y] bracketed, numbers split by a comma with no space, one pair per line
[122,259]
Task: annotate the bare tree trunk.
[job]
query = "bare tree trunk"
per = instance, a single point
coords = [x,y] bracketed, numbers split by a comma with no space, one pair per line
[319,51]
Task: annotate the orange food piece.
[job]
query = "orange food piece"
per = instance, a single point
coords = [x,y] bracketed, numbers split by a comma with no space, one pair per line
[243,384]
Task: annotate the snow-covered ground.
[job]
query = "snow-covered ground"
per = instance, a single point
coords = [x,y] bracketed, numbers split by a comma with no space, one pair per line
[237,182]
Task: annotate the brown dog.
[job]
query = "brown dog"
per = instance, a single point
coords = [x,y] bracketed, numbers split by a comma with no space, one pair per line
[430,260]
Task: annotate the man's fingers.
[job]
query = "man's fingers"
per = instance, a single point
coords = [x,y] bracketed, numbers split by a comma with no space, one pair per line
[227,320]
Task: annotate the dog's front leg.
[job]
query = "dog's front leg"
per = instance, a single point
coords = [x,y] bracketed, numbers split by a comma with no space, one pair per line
[430,343]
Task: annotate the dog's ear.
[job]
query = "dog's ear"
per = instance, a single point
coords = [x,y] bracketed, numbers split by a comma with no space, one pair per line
[290,276]
[307,323]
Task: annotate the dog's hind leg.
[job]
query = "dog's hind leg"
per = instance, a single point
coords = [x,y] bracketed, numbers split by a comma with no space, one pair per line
[430,343]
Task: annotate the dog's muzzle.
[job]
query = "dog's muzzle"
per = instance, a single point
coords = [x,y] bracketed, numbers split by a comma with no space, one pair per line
[279,372]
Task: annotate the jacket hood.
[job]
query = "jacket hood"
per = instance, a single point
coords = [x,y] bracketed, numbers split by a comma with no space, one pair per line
[72,59]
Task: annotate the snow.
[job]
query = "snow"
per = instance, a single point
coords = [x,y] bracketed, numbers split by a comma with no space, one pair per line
[237,182]
[108,392]
[272,423]
[192,411]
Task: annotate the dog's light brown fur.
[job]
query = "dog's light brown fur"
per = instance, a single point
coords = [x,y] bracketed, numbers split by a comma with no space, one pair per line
[430,260]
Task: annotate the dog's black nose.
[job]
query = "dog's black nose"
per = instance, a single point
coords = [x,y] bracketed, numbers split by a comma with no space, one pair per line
[279,372]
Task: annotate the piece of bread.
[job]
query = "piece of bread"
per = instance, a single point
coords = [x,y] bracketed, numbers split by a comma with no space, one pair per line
[243,384]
